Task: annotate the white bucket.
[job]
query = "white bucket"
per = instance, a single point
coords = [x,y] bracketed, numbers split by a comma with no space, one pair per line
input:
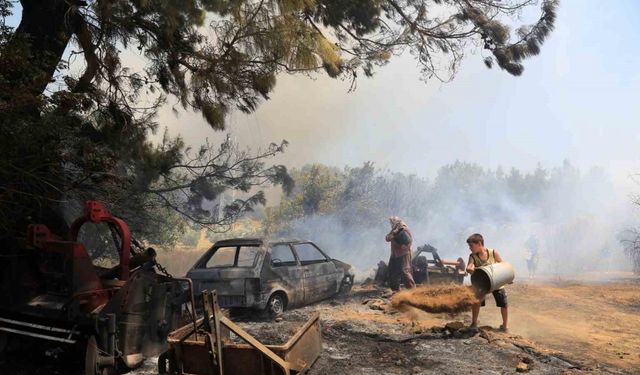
[489,278]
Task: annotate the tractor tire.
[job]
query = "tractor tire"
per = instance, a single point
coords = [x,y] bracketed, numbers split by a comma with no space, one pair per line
[91,366]
[91,357]
[167,363]
[382,274]
[4,342]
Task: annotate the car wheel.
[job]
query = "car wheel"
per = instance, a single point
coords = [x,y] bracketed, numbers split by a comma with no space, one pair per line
[276,304]
[346,285]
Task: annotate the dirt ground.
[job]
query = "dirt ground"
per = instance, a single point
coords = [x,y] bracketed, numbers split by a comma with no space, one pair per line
[555,327]
[593,326]
[590,322]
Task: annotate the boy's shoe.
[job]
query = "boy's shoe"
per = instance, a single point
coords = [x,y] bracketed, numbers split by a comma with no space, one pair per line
[504,328]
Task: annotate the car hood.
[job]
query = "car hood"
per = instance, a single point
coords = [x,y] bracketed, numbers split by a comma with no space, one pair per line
[343,266]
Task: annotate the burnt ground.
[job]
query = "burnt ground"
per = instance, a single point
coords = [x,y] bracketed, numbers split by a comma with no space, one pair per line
[577,328]
[363,334]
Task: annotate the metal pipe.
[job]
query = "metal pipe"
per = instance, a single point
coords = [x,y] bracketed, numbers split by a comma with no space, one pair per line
[111,334]
[37,326]
[37,335]
[193,304]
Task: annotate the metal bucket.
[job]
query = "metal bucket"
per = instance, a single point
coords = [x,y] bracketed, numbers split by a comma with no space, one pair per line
[489,278]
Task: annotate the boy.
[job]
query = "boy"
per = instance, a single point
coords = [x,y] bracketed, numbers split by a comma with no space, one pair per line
[481,256]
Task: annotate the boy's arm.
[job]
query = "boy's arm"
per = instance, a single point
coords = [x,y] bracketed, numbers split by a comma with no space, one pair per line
[470,266]
[496,255]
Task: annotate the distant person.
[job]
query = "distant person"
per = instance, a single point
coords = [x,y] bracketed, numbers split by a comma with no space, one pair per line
[532,245]
[400,261]
[480,257]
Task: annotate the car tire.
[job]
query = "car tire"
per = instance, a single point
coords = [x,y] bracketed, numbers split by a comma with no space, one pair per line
[276,304]
[346,285]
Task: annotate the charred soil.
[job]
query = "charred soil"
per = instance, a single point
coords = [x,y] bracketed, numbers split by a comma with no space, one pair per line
[569,328]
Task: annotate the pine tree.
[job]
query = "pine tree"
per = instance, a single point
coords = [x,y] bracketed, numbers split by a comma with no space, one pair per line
[76,114]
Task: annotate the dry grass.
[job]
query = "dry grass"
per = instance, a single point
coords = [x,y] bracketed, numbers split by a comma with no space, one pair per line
[437,299]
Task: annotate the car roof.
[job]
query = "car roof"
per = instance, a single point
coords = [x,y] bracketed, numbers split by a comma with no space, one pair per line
[256,241]
[239,241]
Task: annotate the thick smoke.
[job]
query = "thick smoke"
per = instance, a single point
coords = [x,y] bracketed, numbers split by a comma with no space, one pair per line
[576,216]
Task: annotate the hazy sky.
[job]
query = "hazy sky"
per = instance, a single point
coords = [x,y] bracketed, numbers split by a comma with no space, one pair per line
[575,101]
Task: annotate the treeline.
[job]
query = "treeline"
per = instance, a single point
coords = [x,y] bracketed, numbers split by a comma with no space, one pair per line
[366,195]
[346,209]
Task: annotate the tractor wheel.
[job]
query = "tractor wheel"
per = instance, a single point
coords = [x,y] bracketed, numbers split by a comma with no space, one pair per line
[277,303]
[167,363]
[4,342]
[91,357]
[91,366]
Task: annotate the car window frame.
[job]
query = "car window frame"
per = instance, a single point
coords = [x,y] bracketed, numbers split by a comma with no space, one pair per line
[293,252]
[306,263]
[214,249]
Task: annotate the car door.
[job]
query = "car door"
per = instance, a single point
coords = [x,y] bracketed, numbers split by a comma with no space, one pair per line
[227,269]
[286,272]
[320,273]
[206,274]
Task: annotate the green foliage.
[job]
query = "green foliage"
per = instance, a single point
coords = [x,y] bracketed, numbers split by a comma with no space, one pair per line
[317,188]
[562,203]
[216,55]
[365,196]
[246,227]
[190,237]
[357,195]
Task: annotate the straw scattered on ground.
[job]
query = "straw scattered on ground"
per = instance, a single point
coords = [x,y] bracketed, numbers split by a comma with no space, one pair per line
[437,299]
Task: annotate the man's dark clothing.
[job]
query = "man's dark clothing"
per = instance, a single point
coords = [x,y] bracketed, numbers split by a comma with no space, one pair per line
[400,268]
[500,296]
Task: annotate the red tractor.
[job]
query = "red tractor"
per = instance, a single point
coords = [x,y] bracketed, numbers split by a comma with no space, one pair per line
[52,291]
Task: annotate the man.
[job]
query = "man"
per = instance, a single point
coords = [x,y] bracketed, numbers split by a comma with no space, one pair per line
[400,261]
[532,246]
[481,256]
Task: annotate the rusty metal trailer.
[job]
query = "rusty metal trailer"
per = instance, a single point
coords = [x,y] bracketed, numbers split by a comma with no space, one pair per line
[202,347]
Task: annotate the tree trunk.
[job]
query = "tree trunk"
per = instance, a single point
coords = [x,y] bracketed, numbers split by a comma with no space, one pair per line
[40,40]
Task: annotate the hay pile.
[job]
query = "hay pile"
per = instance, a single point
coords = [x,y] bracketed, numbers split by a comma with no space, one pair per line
[437,299]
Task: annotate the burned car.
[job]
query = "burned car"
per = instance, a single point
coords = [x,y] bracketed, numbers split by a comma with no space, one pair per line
[271,276]
[428,271]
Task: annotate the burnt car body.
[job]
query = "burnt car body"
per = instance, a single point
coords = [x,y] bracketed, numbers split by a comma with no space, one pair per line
[428,271]
[273,275]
